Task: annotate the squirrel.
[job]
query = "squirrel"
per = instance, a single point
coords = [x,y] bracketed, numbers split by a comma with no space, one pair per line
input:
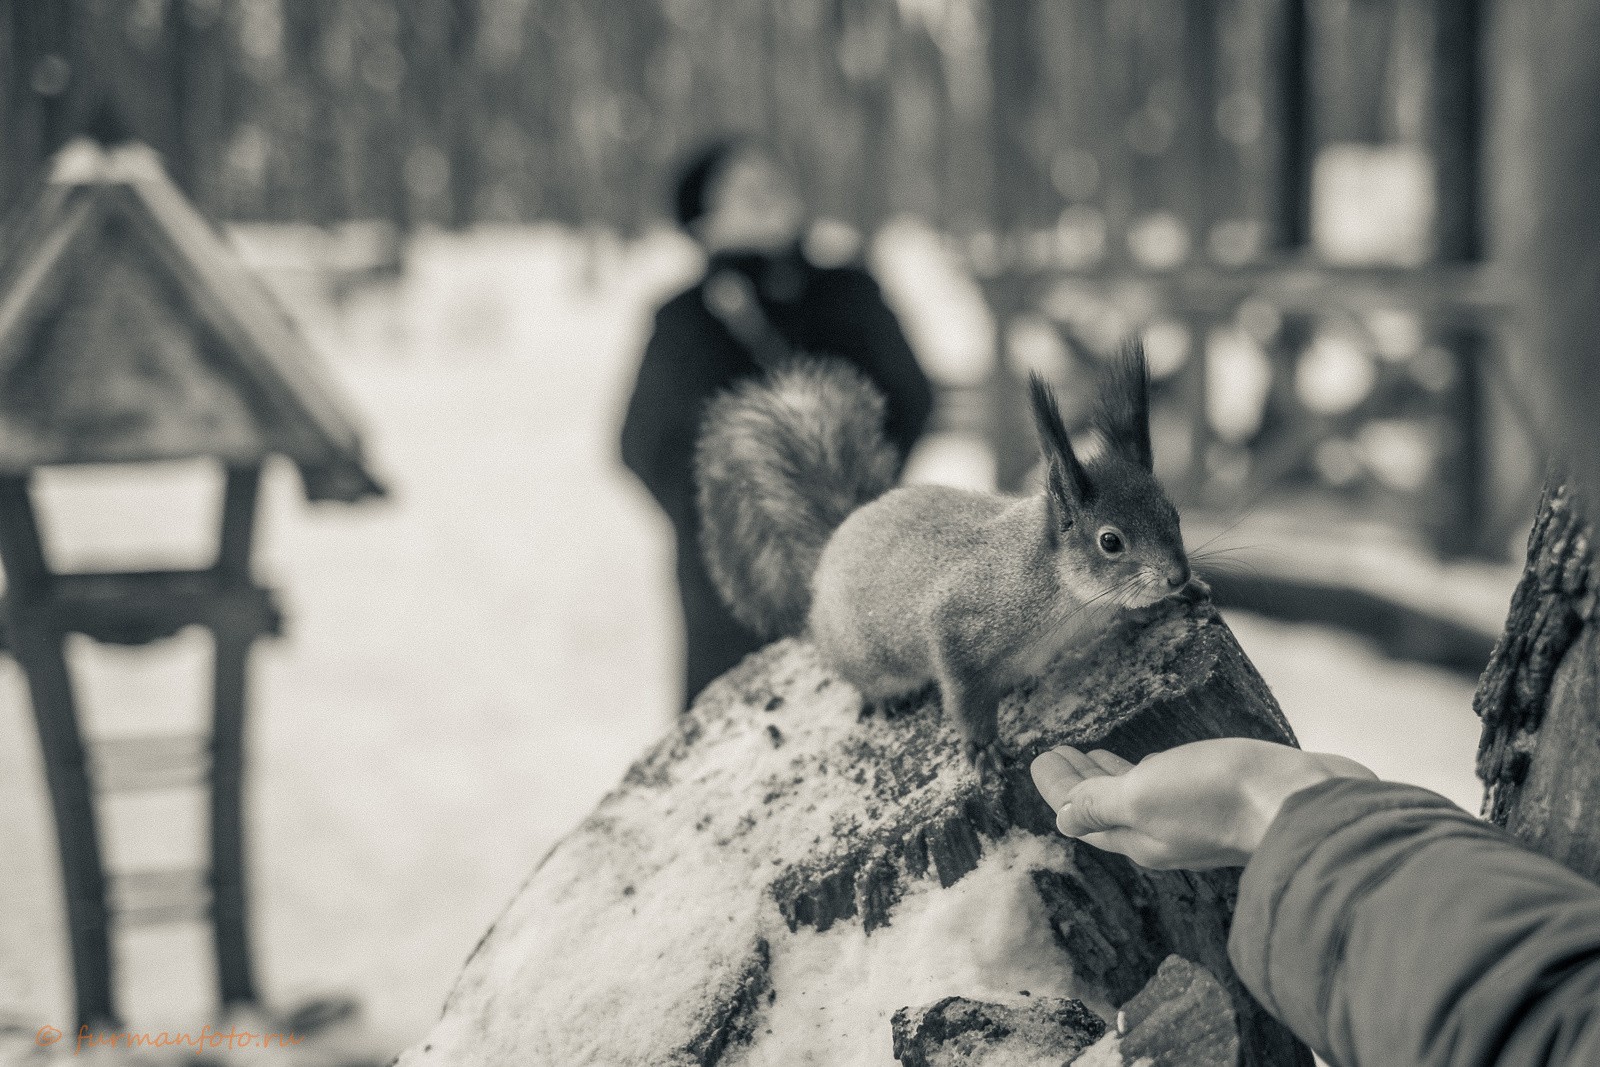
[804,532]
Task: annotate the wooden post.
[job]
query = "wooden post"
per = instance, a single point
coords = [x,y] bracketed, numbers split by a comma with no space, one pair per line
[1192,385]
[1014,206]
[1459,520]
[1455,143]
[239,493]
[1457,125]
[232,638]
[1201,53]
[1291,126]
[38,619]
[36,641]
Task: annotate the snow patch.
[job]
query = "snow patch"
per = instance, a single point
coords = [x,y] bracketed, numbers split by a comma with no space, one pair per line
[985,938]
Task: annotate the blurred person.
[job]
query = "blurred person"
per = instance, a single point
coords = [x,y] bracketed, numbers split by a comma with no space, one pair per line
[759,302]
[1380,923]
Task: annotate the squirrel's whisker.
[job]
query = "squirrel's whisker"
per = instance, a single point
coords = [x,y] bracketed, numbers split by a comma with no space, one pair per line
[1225,550]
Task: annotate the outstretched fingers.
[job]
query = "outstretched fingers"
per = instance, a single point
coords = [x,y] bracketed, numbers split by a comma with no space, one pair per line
[1058,771]
[1109,762]
[1096,805]
[1094,802]
[1085,789]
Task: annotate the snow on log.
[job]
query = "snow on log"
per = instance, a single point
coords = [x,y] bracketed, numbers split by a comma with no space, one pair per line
[787,869]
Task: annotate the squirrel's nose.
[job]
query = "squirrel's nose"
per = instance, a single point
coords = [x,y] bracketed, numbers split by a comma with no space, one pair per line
[1178,575]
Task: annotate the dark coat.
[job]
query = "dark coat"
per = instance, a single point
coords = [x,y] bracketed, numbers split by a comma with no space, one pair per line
[692,356]
[1388,928]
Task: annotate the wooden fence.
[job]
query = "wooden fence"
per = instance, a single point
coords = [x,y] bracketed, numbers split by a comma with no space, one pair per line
[1205,171]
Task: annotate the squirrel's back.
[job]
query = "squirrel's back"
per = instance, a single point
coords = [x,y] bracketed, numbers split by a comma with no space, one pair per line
[917,532]
[899,567]
[781,462]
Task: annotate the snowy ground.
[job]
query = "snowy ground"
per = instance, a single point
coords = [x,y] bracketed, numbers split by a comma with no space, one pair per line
[473,662]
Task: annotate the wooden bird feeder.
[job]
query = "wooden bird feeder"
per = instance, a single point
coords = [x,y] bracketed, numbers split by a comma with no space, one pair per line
[130,333]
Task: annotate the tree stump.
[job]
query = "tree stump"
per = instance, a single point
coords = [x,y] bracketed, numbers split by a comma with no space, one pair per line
[1539,695]
[787,869]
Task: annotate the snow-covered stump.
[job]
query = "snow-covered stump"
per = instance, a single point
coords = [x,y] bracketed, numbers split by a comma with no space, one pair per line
[786,870]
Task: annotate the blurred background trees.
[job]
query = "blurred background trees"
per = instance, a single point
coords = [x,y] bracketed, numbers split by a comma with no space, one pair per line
[462,111]
[1287,198]
[972,113]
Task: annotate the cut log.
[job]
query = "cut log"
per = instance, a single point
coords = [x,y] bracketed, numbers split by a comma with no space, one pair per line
[1182,1018]
[786,870]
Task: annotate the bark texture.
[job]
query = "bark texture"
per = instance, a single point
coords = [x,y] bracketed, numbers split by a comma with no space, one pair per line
[1181,1019]
[1539,693]
[788,869]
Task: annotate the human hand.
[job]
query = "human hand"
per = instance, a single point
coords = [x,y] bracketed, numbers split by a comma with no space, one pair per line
[1200,805]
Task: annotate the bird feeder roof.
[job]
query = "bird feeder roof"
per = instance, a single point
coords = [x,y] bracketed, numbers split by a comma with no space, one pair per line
[130,330]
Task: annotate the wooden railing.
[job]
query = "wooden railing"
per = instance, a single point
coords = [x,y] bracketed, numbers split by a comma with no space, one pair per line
[1439,392]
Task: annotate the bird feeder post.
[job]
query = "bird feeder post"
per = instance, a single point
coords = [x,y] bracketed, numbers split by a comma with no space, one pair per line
[233,638]
[130,334]
[38,643]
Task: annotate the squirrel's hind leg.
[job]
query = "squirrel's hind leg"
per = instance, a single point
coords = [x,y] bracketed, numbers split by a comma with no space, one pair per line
[971,698]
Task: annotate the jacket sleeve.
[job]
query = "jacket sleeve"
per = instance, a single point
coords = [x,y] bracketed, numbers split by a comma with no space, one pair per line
[891,363]
[1385,926]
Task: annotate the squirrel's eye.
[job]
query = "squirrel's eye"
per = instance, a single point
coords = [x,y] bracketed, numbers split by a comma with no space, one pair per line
[1111,542]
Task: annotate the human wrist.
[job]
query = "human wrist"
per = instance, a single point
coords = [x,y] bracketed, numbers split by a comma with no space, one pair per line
[1265,794]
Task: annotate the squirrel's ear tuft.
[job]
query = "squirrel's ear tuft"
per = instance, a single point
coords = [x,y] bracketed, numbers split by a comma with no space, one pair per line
[1068,482]
[1122,413]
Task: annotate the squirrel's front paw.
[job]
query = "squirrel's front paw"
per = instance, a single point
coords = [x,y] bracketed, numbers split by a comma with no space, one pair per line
[989,758]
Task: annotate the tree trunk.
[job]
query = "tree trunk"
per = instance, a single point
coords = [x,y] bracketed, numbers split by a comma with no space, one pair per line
[788,870]
[1539,697]
[1545,151]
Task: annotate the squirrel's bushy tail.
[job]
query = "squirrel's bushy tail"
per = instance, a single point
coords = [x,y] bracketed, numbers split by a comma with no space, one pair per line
[782,461]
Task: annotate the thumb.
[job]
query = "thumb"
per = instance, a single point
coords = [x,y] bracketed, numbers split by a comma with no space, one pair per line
[1095,806]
